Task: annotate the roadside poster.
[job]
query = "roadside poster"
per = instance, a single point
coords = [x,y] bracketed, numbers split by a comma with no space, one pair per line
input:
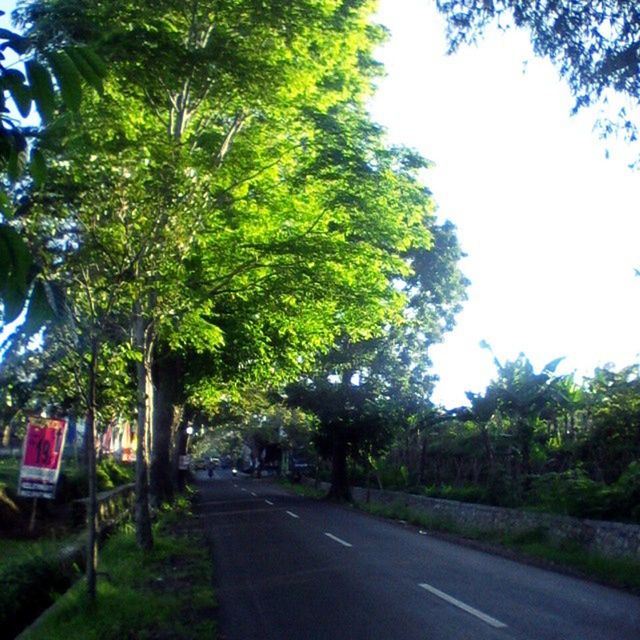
[184,462]
[41,457]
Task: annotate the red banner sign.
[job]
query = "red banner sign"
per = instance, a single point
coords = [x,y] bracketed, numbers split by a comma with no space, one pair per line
[41,457]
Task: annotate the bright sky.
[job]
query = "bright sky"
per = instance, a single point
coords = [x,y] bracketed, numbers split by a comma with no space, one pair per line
[550,226]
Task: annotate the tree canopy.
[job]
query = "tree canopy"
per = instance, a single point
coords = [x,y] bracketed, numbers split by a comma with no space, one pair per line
[225,211]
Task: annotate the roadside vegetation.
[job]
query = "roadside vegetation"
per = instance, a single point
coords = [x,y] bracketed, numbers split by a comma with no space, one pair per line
[40,563]
[53,519]
[165,593]
[209,242]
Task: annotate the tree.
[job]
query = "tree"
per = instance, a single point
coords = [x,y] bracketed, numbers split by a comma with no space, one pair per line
[235,188]
[611,440]
[351,418]
[595,45]
[524,397]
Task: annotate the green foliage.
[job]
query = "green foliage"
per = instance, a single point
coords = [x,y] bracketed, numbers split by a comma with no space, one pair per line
[534,439]
[19,289]
[574,493]
[467,493]
[570,493]
[117,472]
[110,474]
[165,592]
[30,585]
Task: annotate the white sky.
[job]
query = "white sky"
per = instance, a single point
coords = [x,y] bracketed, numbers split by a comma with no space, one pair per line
[550,226]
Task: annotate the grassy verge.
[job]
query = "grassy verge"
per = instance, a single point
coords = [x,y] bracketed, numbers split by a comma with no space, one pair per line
[618,572]
[534,544]
[165,593]
[303,489]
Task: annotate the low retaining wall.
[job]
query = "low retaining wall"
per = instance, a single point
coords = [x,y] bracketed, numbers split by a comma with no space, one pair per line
[610,539]
[113,505]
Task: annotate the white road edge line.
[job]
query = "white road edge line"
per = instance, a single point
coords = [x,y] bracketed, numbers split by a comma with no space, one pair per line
[293,515]
[254,494]
[465,607]
[269,502]
[338,540]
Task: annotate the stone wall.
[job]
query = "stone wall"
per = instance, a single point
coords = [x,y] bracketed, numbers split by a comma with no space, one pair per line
[113,505]
[610,539]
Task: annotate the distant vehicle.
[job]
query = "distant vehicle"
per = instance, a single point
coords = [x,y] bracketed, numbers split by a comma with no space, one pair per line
[234,471]
[200,464]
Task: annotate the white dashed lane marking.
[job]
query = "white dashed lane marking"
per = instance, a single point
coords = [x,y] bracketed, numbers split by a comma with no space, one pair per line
[465,607]
[344,543]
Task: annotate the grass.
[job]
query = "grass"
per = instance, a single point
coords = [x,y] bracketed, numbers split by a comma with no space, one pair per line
[618,572]
[397,511]
[9,468]
[303,489]
[165,593]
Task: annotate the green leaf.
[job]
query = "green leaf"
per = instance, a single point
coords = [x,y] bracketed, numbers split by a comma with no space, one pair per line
[89,66]
[68,78]
[96,62]
[38,168]
[20,92]
[42,89]
[15,267]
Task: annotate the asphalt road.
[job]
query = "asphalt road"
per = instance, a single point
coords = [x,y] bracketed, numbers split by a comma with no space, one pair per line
[287,567]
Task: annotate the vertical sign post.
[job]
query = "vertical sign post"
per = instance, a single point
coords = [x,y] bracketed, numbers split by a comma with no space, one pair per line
[41,457]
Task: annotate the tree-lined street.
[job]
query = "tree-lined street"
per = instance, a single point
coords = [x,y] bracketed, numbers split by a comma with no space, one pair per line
[291,567]
[213,257]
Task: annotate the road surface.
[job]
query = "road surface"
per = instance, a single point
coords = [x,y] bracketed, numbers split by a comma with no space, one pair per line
[287,567]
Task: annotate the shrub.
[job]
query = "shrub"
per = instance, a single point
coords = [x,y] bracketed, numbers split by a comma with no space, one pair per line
[465,493]
[570,493]
[29,587]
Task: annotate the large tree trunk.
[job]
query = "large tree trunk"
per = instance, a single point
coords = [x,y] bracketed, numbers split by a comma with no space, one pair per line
[161,484]
[144,536]
[339,490]
[90,443]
